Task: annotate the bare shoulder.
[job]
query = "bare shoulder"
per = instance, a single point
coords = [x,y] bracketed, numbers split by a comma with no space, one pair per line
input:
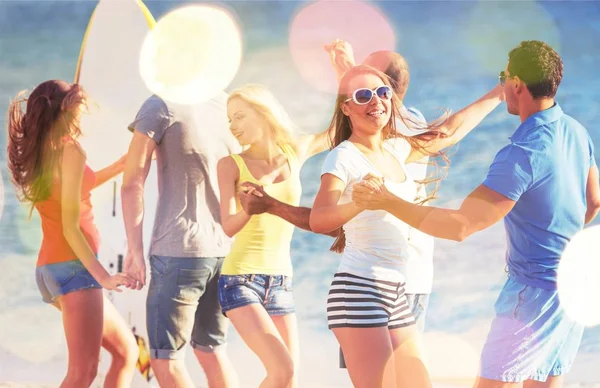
[73,161]
[73,151]
[227,166]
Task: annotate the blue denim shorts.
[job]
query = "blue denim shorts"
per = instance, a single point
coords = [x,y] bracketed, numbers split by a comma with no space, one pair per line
[58,279]
[531,337]
[418,305]
[183,306]
[273,292]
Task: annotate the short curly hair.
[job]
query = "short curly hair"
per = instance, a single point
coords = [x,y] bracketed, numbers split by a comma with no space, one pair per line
[538,65]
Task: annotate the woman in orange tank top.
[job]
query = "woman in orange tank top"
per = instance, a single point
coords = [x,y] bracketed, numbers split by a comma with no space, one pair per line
[49,171]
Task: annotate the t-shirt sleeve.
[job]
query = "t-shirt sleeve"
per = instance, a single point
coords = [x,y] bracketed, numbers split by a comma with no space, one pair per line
[592,157]
[336,164]
[401,147]
[152,119]
[510,173]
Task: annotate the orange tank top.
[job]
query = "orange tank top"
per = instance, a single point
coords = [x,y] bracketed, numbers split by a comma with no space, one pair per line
[55,248]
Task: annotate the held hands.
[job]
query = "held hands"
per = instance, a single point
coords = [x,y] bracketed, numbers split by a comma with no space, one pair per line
[254,199]
[119,166]
[370,193]
[114,282]
[341,56]
[121,161]
[135,267]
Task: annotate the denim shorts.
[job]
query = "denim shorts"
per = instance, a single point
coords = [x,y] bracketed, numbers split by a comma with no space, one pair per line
[418,306]
[58,279]
[183,306]
[273,292]
[531,337]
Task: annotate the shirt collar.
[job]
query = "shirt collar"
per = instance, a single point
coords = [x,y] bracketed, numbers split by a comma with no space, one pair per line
[537,119]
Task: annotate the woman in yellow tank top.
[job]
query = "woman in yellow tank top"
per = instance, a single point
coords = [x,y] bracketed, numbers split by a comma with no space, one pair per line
[255,287]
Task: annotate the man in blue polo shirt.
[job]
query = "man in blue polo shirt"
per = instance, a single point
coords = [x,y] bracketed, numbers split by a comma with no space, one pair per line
[545,186]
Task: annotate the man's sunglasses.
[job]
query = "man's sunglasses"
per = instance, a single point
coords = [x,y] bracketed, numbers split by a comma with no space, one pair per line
[364,96]
[503,77]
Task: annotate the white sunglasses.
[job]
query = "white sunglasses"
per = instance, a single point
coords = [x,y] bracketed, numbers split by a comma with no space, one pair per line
[363,96]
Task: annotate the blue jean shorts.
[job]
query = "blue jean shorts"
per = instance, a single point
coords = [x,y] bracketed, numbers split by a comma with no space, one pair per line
[183,306]
[273,292]
[418,305]
[531,337]
[58,279]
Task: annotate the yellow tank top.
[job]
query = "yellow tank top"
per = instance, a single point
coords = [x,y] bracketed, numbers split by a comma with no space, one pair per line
[263,244]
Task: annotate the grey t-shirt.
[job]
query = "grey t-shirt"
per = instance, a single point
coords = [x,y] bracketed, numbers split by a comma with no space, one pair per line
[190,141]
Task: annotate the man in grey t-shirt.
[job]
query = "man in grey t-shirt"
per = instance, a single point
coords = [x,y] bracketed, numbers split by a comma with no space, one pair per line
[188,243]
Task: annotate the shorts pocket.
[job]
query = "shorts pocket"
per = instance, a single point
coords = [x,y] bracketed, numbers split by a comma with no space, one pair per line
[236,291]
[520,302]
[419,305]
[423,302]
[158,265]
[63,276]
[511,299]
[229,281]
[287,283]
[191,284]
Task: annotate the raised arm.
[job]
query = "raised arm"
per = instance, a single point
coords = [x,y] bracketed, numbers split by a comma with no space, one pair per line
[592,195]
[137,166]
[307,146]
[72,169]
[458,125]
[228,175]
[341,56]
[326,215]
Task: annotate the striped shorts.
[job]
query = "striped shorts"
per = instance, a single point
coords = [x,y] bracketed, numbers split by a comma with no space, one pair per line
[355,301]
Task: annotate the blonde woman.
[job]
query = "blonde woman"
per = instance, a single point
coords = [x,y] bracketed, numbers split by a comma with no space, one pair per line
[255,287]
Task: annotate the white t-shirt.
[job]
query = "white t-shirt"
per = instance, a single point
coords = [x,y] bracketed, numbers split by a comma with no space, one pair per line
[419,266]
[376,241]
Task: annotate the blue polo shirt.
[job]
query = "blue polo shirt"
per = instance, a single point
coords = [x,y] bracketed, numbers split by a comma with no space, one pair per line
[544,170]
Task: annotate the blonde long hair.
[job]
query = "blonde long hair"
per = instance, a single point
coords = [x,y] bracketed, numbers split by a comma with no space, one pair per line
[264,102]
